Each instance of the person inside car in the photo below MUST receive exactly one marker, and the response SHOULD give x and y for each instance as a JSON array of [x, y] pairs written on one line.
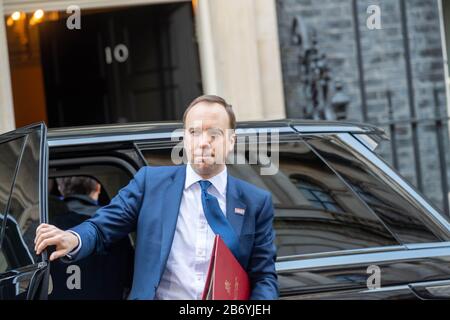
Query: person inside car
[[80, 194], [104, 276]]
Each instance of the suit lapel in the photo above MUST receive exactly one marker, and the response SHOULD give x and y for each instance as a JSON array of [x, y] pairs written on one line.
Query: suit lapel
[[171, 208], [234, 202]]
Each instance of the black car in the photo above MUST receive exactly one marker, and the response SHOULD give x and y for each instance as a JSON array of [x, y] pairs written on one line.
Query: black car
[[347, 225]]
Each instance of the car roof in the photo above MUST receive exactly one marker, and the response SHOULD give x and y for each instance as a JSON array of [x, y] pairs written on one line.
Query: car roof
[[164, 130]]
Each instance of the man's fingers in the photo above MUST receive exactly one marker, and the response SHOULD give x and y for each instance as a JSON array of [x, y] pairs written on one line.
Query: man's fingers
[[48, 235], [45, 235], [47, 242], [58, 254], [39, 240], [41, 229], [42, 226]]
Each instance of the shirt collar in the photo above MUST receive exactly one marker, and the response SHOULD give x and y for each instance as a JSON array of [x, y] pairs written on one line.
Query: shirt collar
[[219, 181]]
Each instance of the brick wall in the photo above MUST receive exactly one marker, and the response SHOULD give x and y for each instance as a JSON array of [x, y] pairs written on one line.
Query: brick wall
[[384, 67]]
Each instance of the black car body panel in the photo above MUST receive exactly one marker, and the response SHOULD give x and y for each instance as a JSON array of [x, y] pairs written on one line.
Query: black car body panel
[[348, 226]]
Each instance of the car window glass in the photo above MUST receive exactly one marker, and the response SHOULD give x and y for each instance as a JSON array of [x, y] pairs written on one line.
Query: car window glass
[[401, 217], [23, 216], [10, 154], [315, 210]]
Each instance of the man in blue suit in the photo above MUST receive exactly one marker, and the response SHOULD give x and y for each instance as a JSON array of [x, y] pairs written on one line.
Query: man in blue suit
[[176, 212]]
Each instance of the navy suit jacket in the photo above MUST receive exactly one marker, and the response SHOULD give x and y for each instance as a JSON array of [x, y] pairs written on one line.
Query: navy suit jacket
[[149, 205]]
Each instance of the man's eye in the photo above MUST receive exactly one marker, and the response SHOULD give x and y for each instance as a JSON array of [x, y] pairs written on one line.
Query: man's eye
[[194, 132], [215, 133]]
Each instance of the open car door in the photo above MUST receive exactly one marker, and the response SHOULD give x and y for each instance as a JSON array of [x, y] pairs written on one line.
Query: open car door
[[23, 206]]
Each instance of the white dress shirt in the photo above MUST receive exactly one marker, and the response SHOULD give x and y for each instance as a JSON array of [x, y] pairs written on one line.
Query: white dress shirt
[[188, 261]]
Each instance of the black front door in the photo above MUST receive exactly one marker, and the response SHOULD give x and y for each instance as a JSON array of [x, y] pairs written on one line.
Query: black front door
[[127, 65]]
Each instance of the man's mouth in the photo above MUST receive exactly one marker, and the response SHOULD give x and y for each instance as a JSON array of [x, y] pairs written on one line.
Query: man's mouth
[[204, 154], [203, 157]]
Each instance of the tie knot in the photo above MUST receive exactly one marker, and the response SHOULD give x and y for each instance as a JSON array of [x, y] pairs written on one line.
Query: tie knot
[[204, 184]]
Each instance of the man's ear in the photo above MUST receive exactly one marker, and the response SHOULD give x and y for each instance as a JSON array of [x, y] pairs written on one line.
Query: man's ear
[[232, 142], [98, 188]]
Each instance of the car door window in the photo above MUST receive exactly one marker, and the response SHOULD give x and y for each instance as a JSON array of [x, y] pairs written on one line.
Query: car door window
[[315, 211], [23, 215], [403, 218], [10, 151]]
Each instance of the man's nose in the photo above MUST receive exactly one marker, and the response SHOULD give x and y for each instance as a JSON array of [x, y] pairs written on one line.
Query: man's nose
[[205, 140]]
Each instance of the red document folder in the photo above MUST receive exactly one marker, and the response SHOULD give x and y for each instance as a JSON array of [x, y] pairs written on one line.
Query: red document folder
[[226, 279]]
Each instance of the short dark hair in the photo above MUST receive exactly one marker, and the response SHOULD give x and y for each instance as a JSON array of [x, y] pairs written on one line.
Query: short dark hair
[[76, 185], [213, 99]]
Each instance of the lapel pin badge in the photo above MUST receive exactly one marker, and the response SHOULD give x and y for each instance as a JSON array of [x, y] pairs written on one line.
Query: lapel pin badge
[[239, 211]]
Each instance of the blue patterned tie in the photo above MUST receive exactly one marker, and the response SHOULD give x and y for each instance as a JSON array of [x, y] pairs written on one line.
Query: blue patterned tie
[[217, 220]]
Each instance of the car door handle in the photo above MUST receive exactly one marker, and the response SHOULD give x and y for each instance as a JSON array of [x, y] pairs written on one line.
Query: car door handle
[[432, 290]]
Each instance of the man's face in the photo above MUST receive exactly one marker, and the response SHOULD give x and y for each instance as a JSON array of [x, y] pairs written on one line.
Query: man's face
[[208, 138]]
